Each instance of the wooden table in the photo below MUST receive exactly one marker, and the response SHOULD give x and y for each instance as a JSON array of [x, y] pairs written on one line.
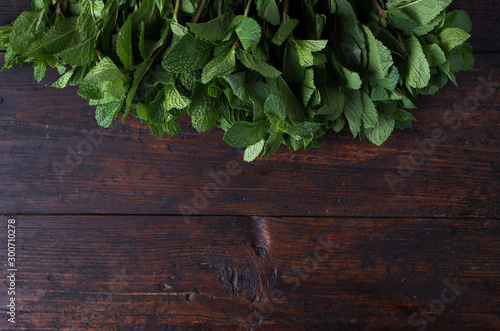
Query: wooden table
[[118, 230]]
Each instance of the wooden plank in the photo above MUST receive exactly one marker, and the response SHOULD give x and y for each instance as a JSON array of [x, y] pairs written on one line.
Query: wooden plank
[[106, 272], [485, 15], [128, 170]]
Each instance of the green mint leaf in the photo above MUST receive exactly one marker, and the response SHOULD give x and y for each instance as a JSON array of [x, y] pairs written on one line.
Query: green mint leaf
[[201, 101], [284, 31], [249, 61], [106, 69], [295, 109], [353, 110], [268, 10], [275, 106], [253, 151], [62, 82], [223, 64], [382, 130], [124, 44], [248, 31], [303, 130], [353, 79], [458, 19], [25, 29], [40, 69], [293, 71], [334, 100], [110, 14], [273, 143], [452, 37], [138, 76], [105, 114], [370, 116], [244, 134], [434, 55], [418, 68], [63, 33], [93, 90], [173, 99], [169, 127], [157, 110], [308, 87], [82, 50], [187, 55], [205, 121], [422, 11], [461, 58], [305, 49], [214, 30], [379, 56]]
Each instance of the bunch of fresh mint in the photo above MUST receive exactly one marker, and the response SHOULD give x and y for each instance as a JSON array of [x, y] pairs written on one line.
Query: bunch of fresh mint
[[268, 72]]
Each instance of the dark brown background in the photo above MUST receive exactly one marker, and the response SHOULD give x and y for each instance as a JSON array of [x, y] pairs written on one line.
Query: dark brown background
[[312, 240]]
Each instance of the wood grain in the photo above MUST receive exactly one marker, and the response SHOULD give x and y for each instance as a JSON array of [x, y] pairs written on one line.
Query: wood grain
[[315, 240], [106, 272]]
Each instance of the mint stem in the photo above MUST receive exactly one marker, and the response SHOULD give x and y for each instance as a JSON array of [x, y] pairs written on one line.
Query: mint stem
[[285, 11], [247, 9], [169, 35], [379, 7], [176, 9], [198, 12], [58, 7]]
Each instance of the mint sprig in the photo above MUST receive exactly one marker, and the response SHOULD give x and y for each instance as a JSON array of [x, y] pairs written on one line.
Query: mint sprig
[[268, 72]]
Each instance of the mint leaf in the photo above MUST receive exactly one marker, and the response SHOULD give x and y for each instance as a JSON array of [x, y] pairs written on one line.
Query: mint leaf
[[334, 100], [293, 71], [458, 19], [124, 44], [370, 116], [174, 99], [434, 55], [268, 10], [253, 151], [169, 127], [106, 69], [461, 58], [353, 109], [452, 37], [25, 29], [248, 31], [244, 134], [205, 121], [252, 63], [284, 31], [40, 70], [422, 11], [105, 114], [380, 58], [222, 65], [81, 50], [214, 30], [382, 130], [187, 55], [418, 68], [306, 48], [275, 106]]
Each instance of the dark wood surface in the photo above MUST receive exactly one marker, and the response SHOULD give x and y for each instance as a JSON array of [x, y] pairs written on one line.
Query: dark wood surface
[[347, 237]]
